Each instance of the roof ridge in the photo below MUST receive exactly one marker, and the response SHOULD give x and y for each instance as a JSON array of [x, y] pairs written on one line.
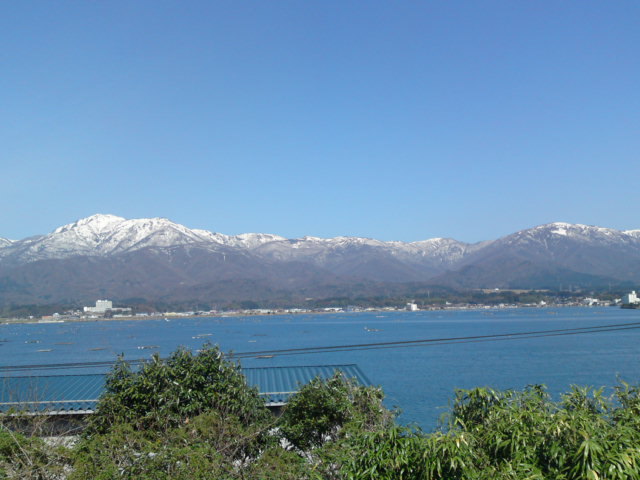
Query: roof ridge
[[301, 366]]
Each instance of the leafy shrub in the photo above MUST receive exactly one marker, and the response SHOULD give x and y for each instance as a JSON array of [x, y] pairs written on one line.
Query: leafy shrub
[[511, 435], [322, 408], [30, 458], [126, 452], [208, 446], [194, 417], [165, 393], [387, 454], [526, 435], [276, 463]]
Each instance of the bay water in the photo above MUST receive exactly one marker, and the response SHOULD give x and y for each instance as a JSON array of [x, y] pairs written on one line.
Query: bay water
[[419, 380]]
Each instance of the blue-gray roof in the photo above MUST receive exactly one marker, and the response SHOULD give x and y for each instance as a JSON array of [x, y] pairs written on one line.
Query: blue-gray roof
[[80, 393], [277, 384], [56, 393]]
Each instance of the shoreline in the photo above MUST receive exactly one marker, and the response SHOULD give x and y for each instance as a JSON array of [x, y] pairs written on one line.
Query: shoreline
[[175, 316]]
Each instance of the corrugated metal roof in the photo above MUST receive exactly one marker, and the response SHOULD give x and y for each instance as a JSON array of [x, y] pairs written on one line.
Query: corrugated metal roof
[[277, 384], [68, 393], [80, 393]]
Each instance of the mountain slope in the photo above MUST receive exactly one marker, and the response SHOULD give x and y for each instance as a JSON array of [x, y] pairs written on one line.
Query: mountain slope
[[109, 256], [552, 255], [109, 235]]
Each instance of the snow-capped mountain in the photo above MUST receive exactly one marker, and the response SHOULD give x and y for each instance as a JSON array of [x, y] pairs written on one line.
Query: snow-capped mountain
[[576, 232], [104, 235], [553, 254], [252, 240], [107, 255], [370, 258], [445, 249]]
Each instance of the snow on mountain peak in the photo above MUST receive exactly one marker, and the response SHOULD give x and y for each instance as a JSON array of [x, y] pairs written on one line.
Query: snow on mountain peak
[[101, 235], [568, 229], [573, 231], [557, 228], [341, 241], [95, 223], [253, 240], [560, 228]]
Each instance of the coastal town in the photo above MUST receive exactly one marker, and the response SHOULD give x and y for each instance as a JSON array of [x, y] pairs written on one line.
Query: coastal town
[[104, 309]]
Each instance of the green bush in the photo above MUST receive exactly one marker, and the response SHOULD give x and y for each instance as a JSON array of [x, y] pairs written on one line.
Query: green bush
[[511, 435], [276, 463], [165, 393], [584, 436], [194, 417], [387, 454], [323, 408], [126, 452], [208, 446], [30, 458]]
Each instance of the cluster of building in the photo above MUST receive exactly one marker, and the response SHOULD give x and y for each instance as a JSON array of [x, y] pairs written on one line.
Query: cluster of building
[[104, 306], [101, 307]]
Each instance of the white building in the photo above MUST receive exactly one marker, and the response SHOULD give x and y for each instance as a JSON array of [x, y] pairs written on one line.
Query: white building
[[412, 307], [101, 307], [630, 298]]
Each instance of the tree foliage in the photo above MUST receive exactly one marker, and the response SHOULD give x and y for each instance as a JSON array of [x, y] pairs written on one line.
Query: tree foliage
[[25, 458], [193, 416], [514, 435], [165, 393], [324, 408], [510, 435]]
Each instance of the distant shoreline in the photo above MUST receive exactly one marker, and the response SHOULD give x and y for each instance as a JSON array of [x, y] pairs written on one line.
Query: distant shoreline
[[7, 321]]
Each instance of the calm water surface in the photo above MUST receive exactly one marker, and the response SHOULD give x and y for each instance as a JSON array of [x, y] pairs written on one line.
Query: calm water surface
[[419, 380]]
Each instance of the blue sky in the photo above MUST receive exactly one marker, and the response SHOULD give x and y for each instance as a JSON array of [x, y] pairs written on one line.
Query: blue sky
[[392, 120]]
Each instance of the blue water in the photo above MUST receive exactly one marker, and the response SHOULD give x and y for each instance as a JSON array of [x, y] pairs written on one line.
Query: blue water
[[419, 380]]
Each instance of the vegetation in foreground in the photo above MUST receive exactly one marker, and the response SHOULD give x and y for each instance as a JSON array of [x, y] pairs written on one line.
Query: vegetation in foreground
[[194, 417]]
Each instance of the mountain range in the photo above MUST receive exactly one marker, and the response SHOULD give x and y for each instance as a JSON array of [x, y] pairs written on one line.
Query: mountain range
[[156, 259]]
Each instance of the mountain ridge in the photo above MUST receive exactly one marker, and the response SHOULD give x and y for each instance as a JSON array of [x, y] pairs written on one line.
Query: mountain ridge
[[107, 255], [104, 234]]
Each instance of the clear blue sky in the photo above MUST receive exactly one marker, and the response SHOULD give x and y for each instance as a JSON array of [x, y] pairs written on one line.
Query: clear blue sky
[[393, 120]]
